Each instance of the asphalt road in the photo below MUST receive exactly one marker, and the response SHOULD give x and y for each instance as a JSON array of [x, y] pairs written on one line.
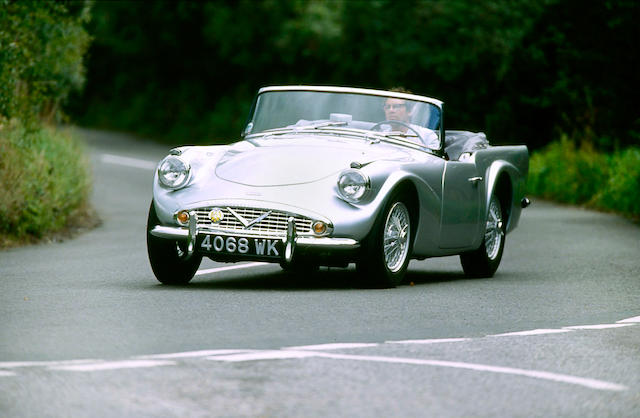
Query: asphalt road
[[87, 331]]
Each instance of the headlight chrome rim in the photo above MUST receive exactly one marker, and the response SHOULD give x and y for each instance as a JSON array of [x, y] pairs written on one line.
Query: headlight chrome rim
[[176, 167], [353, 185]]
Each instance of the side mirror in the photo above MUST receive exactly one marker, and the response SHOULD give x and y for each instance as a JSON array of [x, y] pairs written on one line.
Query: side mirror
[[247, 129]]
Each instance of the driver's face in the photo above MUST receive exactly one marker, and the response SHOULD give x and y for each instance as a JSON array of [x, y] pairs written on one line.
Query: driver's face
[[396, 109]]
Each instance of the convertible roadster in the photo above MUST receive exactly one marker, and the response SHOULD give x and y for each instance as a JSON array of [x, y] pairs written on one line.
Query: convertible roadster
[[327, 176]]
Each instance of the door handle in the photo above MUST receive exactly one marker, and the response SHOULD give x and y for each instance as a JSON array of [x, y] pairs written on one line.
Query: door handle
[[474, 180]]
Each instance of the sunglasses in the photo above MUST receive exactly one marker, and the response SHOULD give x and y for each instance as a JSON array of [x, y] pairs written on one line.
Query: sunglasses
[[394, 106]]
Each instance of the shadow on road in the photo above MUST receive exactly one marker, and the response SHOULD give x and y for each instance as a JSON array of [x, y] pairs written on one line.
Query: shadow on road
[[325, 279]]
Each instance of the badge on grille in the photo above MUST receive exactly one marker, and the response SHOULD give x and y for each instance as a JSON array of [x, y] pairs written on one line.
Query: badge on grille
[[216, 215], [248, 224]]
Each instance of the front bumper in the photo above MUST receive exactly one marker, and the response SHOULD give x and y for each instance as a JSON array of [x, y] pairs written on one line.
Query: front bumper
[[293, 242]]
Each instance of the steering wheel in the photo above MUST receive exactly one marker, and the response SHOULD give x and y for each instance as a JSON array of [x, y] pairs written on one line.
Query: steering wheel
[[378, 125]]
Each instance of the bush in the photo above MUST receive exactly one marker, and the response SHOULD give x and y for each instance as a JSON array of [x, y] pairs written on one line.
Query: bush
[[41, 50], [622, 190], [565, 173], [44, 176], [580, 175], [45, 182]]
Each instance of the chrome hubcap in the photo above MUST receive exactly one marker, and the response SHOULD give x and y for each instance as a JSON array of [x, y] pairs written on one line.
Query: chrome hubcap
[[494, 233], [397, 236]]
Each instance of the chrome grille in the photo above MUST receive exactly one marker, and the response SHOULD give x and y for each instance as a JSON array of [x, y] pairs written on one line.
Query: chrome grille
[[275, 224]]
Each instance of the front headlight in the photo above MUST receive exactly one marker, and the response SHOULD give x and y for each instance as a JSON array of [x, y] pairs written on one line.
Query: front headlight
[[174, 172], [353, 185]]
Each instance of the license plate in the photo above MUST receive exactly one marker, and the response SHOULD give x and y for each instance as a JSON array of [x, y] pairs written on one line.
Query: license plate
[[229, 245]]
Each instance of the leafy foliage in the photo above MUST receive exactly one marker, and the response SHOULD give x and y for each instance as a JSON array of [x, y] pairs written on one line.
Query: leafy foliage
[[44, 175], [621, 191], [565, 173], [41, 49], [524, 71], [45, 181], [579, 175]]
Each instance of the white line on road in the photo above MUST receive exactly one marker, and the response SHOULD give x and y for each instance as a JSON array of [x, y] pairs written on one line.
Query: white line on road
[[333, 346], [6, 374], [590, 383], [432, 341], [532, 332], [635, 320], [601, 326], [291, 354], [192, 354], [265, 355], [128, 161], [236, 267], [114, 365], [15, 364]]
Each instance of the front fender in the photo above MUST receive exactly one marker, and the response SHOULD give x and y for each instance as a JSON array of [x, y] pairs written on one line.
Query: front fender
[[424, 181]]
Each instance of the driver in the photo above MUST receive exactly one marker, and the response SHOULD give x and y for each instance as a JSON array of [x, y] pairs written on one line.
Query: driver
[[401, 110]]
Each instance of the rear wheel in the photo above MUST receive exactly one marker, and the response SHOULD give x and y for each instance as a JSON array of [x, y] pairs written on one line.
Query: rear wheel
[[484, 261], [168, 258], [386, 252]]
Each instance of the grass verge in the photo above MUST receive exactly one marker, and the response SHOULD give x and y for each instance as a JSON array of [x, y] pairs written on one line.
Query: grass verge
[[45, 184]]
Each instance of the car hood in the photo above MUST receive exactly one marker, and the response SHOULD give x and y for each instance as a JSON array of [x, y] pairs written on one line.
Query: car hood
[[283, 164]]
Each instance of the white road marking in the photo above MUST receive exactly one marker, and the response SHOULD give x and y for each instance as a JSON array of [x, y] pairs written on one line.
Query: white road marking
[[192, 354], [319, 350], [128, 161], [334, 346], [236, 267], [265, 355], [601, 326], [290, 354], [590, 383], [635, 320], [113, 365], [16, 364], [532, 332], [432, 341]]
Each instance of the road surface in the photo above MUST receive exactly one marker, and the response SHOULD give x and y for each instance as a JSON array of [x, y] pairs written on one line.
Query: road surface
[[87, 331]]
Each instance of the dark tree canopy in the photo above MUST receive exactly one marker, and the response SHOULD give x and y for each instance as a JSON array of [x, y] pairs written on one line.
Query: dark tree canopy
[[526, 71]]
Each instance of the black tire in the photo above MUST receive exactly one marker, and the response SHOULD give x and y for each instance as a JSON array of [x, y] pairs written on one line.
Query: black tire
[[387, 269], [484, 261], [167, 256]]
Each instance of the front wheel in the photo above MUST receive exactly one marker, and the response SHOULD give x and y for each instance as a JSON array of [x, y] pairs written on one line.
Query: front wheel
[[168, 257], [484, 261], [387, 250]]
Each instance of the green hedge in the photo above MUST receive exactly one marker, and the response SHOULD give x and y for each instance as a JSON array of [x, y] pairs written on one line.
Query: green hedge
[[566, 173], [44, 176], [45, 182]]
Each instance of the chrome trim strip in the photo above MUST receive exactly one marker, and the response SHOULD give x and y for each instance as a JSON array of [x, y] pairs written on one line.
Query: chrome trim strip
[[327, 242], [332, 89], [178, 233], [170, 232]]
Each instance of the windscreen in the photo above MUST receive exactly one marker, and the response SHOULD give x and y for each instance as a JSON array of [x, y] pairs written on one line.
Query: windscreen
[[281, 109]]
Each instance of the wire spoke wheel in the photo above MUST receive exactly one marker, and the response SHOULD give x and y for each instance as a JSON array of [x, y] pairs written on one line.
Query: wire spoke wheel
[[387, 250], [494, 233], [484, 261], [396, 237]]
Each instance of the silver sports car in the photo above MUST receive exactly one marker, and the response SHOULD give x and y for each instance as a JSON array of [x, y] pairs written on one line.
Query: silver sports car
[[326, 176]]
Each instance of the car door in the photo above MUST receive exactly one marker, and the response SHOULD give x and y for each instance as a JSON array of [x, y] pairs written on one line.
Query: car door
[[461, 203]]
